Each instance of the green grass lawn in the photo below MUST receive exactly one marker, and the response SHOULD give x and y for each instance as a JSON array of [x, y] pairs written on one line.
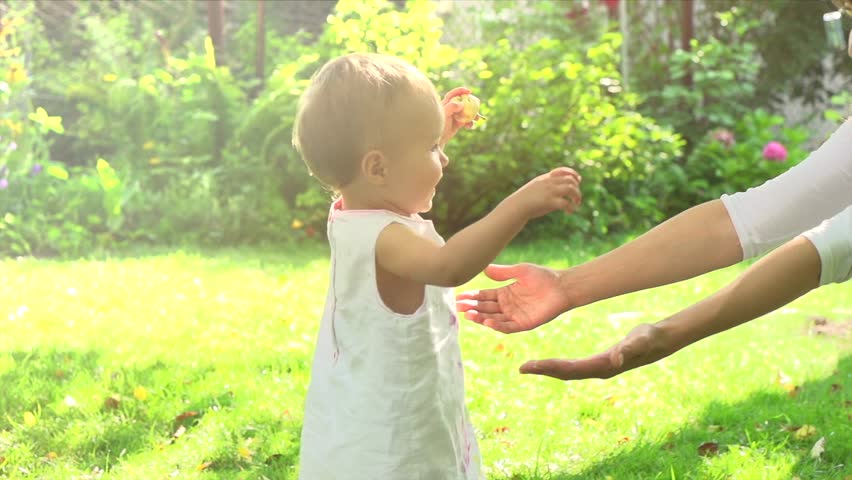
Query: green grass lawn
[[183, 365]]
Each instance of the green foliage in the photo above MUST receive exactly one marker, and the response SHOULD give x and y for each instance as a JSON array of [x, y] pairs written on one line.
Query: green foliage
[[729, 161], [793, 58], [796, 57], [43, 208], [198, 153], [164, 122], [551, 105], [711, 85], [842, 107]]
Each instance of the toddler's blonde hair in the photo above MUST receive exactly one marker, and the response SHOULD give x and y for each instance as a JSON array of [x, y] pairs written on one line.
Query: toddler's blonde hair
[[345, 109]]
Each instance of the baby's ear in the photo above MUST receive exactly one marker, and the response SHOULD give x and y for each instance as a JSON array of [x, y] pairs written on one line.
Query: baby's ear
[[374, 167]]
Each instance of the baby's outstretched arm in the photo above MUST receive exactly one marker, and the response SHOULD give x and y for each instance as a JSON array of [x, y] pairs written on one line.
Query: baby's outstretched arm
[[401, 251]]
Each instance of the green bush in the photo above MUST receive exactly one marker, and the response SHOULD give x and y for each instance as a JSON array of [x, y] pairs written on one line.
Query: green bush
[[728, 161], [554, 105], [195, 153], [38, 202], [723, 72], [169, 129]]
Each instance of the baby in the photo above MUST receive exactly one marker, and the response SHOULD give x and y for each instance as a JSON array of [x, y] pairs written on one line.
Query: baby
[[386, 397]]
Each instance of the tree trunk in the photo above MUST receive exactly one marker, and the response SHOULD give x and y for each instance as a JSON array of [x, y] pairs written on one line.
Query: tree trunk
[[216, 27], [260, 47], [687, 32]]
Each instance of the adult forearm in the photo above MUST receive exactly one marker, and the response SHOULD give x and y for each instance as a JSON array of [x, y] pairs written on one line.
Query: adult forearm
[[694, 242], [775, 280]]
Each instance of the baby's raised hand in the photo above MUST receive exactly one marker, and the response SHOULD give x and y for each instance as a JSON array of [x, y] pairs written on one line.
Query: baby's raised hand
[[454, 115], [558, 189]]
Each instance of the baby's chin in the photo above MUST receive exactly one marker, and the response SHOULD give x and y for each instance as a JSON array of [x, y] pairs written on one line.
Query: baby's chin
[[427, 207]]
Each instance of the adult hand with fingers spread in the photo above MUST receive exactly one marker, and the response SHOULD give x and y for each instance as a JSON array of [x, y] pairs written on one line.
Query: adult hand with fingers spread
[[534, 299]]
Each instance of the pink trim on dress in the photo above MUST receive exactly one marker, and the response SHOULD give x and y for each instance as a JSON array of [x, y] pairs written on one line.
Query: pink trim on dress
[[338, 209]]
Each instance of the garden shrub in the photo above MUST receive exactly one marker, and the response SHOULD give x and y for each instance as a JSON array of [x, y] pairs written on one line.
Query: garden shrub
[[141, 135]]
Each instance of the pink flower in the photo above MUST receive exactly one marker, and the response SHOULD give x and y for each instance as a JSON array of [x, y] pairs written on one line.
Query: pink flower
[[725, 137], [578, 10], [774, 152], [611, 5]]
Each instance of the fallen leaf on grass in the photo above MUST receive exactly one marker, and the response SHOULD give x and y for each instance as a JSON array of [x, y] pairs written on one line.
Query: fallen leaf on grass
[[112, 402], [180, 431], [836, 387], [708, 449], [245, 453], [623, 440], [823, 326], [186, 418], [805, 432], [30, 419], [501, 429], [203, 466], [787, 384], [818, 448]]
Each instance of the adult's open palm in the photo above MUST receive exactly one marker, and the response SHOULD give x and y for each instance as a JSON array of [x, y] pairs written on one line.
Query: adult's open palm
[[645, 344], [534, 299]]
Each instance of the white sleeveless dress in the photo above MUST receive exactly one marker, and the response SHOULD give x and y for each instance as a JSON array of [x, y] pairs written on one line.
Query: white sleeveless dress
[[386, 397]]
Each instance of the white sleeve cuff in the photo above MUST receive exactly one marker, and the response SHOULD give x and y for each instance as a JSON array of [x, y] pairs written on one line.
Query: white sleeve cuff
[[833, 240], [797, 200]]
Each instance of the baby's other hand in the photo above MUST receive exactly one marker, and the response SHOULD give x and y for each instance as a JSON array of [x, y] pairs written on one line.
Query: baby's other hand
[[558, 189]]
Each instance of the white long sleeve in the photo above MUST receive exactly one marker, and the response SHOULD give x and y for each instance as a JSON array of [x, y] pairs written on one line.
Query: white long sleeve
[[833, 240], [797, 200]]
